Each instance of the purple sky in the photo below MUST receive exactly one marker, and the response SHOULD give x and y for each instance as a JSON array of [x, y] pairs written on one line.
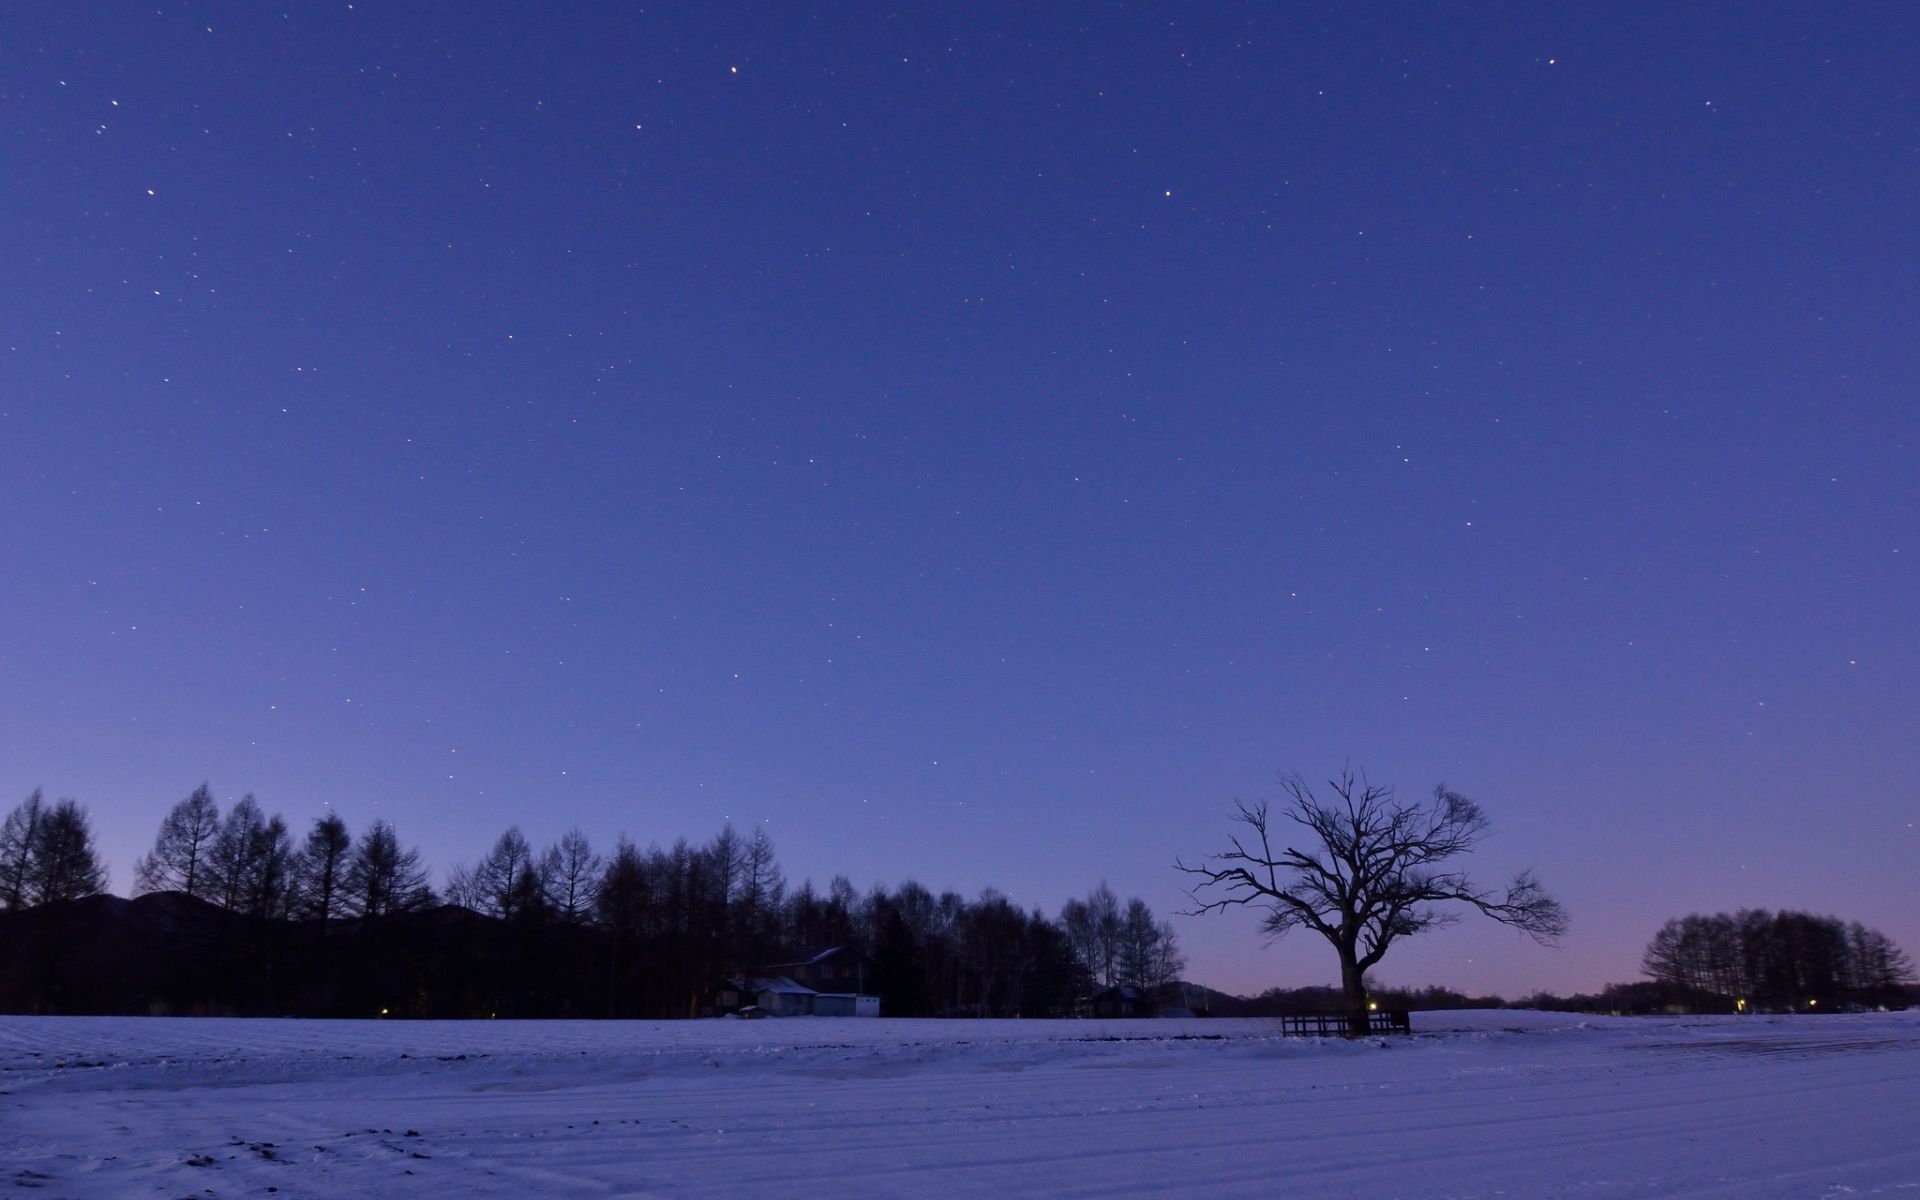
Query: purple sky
[[981, 443]]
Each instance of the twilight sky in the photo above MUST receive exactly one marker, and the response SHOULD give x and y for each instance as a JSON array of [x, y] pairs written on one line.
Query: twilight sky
[[981, 442]]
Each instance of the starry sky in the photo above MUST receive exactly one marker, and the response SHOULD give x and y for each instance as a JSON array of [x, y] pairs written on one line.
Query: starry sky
[[981, 442]]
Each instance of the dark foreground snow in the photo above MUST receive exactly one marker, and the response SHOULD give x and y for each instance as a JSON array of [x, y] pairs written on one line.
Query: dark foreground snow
[[1475, 1105]]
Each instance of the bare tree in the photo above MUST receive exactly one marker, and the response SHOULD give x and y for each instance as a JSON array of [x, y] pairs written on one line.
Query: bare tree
[[248, 861], [383, 877], [1370, 872], [64, 865], [726, 856], [1767, 959], [321, 868], [509, 881], [18, 841], [1881, 969], [761, 892], [1149, 949], [572, 873], [179, 862], [463, 887], [1094, 927]]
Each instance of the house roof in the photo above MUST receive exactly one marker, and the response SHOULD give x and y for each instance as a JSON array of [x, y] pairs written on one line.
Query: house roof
[[816, 959], [779, 985]]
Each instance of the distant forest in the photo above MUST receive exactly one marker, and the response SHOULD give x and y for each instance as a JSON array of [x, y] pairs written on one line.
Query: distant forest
[[1757, 961], [232, 915], [1786, 960]]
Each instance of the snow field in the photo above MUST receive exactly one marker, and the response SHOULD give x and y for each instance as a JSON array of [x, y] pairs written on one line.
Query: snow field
[[1475, 1105]]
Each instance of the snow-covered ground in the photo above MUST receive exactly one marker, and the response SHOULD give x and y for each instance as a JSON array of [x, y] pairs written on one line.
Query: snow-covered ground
[[1475, 1104]]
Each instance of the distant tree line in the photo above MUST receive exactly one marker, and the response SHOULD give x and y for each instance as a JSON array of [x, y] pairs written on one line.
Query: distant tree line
[[1786, 960], [234, 914], [1278, 1002], [1756, 961]]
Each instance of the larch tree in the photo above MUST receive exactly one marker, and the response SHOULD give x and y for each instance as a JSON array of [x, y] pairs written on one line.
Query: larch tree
[[1363, 870], [248, 861], [383, 877], [321, 868], [1881, 968], [624, 899], [1761, 959], [179, 861], [63, 864], [508, 881], [17, 847], [761, 892], [571, 871]]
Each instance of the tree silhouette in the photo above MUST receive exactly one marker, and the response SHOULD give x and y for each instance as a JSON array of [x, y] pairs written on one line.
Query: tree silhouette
[[63, 864], [17, 844], [382, 877], [1093, 926], [1149, 950], [321, 868], [572, 873], [1371, 872], [250, 861], [180, 854], [1774, 960], [507, 882]]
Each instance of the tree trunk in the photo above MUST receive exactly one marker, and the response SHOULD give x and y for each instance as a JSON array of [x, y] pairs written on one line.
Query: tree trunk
[[1353, 983]]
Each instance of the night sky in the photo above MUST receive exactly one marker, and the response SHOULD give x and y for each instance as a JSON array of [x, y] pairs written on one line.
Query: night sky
[[981, 443]]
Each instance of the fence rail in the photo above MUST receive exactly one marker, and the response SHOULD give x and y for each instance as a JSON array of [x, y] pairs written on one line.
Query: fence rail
[[1394, 1020]]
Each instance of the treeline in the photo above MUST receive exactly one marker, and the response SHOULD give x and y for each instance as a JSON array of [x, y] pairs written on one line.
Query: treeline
[[234, 914], [1279, 1002], [1784, 960]]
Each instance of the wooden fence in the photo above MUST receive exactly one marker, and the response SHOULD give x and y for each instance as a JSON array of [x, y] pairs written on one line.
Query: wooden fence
[[1393, 1020]]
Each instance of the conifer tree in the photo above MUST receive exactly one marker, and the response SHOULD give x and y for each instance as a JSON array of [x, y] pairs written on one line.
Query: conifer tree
[[179, 861], [17, 849], [63, 864]]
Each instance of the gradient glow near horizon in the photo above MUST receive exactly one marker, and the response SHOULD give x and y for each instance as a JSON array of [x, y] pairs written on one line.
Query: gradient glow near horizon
[[981, 444]]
